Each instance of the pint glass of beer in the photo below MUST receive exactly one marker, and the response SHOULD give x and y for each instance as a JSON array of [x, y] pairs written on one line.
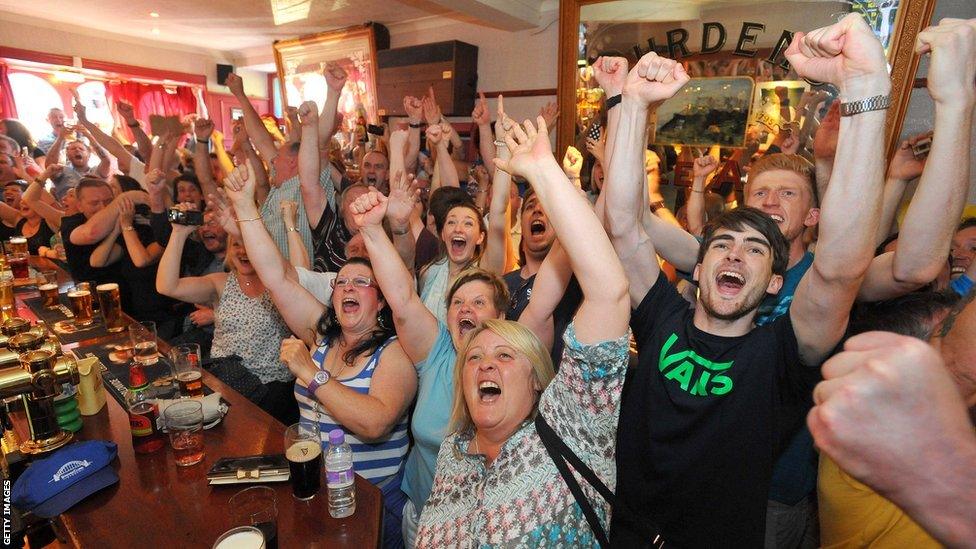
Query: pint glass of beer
[[19, 265], [257, 507], [8, 308], [17, 245], [186, 363], [303, 448], [108, 298], [50, 294], [81, 306]]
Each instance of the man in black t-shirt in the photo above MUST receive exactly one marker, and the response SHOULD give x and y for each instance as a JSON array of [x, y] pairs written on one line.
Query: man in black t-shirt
[[93, 195], [714, 398]]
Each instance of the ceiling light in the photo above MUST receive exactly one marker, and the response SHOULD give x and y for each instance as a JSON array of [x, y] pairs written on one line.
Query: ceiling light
[[153, 14], [69, 76], [155, 30], [286, 11]]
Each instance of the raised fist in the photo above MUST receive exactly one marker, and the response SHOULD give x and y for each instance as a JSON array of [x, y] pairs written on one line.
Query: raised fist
[[126, 111], [369, 209], [703, 166], [335, 77], [654, 79], [952, 69], [414, 109], [308, 112], [203, 128], [610, 74], [846, 54], [235, 84]]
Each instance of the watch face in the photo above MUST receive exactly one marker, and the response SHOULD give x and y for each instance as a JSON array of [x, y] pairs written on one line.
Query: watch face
[[321, 377]]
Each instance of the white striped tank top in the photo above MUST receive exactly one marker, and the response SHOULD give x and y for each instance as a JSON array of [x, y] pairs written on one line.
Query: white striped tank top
[[374, 461]]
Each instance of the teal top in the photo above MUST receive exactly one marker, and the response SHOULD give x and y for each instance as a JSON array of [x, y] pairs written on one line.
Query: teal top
[[435, 394]]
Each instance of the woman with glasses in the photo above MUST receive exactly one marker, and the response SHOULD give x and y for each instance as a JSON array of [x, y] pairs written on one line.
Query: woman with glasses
[[357, 377]]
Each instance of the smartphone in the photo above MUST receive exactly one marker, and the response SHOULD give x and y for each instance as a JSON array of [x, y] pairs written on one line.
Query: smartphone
[[374, 129], [188, 217]]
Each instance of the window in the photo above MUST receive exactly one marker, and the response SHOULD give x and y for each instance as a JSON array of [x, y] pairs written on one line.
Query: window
[[34, 97]]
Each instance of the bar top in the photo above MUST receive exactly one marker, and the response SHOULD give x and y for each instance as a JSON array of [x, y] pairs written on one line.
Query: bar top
[[158, 504]]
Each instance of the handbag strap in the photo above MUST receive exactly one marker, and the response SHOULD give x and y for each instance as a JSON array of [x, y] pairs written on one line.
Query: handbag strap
[[560, 453]]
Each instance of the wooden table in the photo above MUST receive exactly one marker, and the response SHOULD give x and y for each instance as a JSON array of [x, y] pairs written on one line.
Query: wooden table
[[158, 504]]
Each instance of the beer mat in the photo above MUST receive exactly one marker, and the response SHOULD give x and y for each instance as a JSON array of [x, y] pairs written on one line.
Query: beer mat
[[115, 354], [61, 321]]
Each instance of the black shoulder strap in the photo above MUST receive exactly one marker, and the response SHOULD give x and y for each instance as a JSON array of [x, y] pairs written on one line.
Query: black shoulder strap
[[560, 453]]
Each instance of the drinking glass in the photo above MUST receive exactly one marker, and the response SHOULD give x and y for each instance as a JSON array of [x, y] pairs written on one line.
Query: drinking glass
[[186, 369], [8, 308], [242, 537], [111, 306], [19, 265], [257, 506], [303, 449], [80, 298], [143, 338], [184, 421]]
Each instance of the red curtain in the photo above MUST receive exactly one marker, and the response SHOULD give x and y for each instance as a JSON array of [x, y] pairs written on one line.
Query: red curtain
[[7, 107], [149, 99]]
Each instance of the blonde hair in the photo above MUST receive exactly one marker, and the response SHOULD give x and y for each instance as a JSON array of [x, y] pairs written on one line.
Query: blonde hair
[[523, 341], [789, 162]]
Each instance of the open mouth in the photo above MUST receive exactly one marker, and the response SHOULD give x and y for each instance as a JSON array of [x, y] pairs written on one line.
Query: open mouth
[[488, 392], [730, 282], [465, 325], [537, 227], [458, 244], [777, 218], [350, 305], [957, 270]]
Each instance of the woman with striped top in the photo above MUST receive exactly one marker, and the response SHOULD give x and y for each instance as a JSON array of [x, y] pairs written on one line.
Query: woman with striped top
[[362, 382]]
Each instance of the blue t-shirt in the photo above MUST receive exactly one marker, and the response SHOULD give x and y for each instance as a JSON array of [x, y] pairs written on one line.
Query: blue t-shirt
[[435, 394], [775, 306]]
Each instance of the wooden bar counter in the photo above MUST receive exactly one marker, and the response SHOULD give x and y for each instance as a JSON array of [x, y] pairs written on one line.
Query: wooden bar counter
[[158, 504]]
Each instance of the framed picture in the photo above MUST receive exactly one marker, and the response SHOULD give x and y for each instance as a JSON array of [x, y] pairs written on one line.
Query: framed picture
[[300, 63], [706, 112]]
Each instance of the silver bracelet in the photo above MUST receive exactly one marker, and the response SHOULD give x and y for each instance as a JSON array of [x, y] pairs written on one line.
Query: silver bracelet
[[500, 143]]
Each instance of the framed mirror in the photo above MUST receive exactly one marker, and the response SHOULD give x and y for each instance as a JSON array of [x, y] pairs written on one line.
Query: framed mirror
[[722, 45], [300, 63]]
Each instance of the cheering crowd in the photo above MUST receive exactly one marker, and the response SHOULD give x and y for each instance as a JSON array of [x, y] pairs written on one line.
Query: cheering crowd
[[804, 364]]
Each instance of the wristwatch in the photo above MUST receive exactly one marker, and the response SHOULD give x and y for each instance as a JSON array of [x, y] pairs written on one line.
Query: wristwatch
[[876, 103], [657, 205], [320, 378]]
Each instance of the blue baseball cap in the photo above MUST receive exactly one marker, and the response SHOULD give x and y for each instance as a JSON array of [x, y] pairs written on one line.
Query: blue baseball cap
[[54, 484]]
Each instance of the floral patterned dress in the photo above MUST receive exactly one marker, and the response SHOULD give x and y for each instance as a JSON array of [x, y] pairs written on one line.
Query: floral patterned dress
[[520, 500]]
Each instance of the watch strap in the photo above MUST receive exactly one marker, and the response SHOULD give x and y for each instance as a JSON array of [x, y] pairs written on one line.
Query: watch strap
[[614, 101], [314, 384], [876, 103], [657, 205]]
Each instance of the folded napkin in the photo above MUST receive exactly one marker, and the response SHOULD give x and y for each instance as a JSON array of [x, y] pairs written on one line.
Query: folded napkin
[[214, 409]]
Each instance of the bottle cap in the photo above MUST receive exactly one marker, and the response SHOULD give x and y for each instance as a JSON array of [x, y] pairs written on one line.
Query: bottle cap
[[337, 437]]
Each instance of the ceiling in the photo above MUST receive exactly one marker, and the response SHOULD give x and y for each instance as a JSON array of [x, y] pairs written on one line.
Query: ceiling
[[224, 25]]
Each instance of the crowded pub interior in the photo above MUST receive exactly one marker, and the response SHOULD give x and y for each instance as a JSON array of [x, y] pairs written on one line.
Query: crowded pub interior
[[268, 273]]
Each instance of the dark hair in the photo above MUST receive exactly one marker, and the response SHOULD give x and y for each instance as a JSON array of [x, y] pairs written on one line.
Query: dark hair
[[19, 183], [442, 200], [741, 218], [500, 295], [966, 223], [17, 131], [328, 324], [189, 178], [916, 314], [128, 183]]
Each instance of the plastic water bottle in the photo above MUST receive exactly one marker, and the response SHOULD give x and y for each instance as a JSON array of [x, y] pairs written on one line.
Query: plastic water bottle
[[340, 476]]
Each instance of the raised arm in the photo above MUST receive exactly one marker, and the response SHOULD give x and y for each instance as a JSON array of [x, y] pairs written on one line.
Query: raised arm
[[928, 226], [203, 129], [141, 254], [702, 170], [486, 141], [297, 254], [499, 237], [299, 309], [9, 215], [415, 118], [437, 135], [415, 325], [652, 80], [259, 135], [41, 201], [903, 168], [848, 55], [548, 290], [192, 289], [335, 79], [104, 169], [605, 311], [309, 166], [402, 214], [108, 143], [100, 224], [143, 143], [54, 153]]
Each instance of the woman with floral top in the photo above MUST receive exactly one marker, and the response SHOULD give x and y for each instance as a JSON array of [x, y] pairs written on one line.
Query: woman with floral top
[[495, 483]]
